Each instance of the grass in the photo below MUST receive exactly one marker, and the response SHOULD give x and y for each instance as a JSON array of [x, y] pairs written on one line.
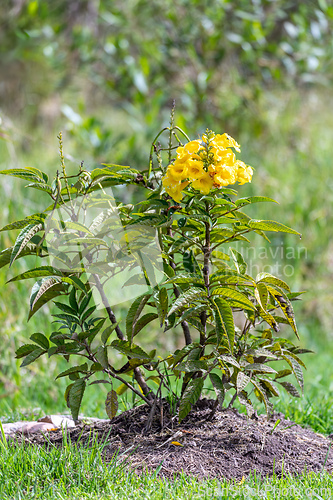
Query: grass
[[31, 472]]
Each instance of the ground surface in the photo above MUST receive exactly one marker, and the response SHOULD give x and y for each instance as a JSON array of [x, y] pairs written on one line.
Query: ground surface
[[230, 445]]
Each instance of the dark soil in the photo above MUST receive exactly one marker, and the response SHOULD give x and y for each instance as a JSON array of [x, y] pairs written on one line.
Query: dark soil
[[229, 446]]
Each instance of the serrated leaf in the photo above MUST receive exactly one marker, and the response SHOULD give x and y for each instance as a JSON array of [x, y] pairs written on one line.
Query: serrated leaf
[[234, 295], [111, 404], [40, 288], [129, 349], [263, 395], [65, 308], [260, 367], [289, 387], [75, 281], [253, 199], [218, 387], [190, 397], [296, 368], [102, 356], [23, 239], [271, 225], [191, 366], [242, 381], [224, 322], [187, 298], [24, 350], [161, 301], [286, 307], [134, 313], [74, 369], [143, 321], [261, 295], [230, 360], [269, 319], [246, 401], [32, 356], [269, 278], [27, 173], [19, 224], [75, 396], [282, 373], [40, 339], [51, 290], [107, 332], [239, 261]]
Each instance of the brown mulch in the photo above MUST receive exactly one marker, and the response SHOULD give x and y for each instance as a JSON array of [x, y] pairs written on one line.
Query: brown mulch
[[229, 446]]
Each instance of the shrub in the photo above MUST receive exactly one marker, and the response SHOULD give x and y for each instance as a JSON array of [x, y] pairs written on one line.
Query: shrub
[[187, 279]]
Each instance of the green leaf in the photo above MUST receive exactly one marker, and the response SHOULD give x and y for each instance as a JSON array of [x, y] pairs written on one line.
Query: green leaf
[[129, 349], [74, 369], [161, 301], [111, 404], [272, 280], [190, 397], [102, 356], [246, 401], [268, 318], [23, 238], [296, 368], [282, 373], [6, 254], [289, 387], [263, 396], [261, 295], [19, 224], [186, 278], [32, 356], [286, 307], [242, 381], [143, 321], [224, 322], [42, 292], [192, 366], [253, 199], [259, 367], [239, 261], [24, 350], [271, 225], [107, 332], [40, 339], [38, 272], [75, 397], [28, 173], [134, 313], [234, 295], [85, 301], [218, 387], [65, 308], [40, 186], [187, 298], [75, 281]]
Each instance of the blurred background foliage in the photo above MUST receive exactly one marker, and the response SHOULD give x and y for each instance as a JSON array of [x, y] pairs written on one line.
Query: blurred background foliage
[[106, 74]]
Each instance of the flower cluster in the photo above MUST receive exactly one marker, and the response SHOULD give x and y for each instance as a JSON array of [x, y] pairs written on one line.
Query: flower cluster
[[205, 164]]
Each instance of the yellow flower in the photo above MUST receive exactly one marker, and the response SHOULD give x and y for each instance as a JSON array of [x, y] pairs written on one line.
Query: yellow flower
[[174, 189], [244, 173], [192, 147], [226, 141], [225, 175], [203, 184], [224, 157], [177, 171], [195, 169]]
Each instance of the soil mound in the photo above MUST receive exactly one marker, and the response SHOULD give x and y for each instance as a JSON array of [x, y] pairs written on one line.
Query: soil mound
[[230, 445]]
